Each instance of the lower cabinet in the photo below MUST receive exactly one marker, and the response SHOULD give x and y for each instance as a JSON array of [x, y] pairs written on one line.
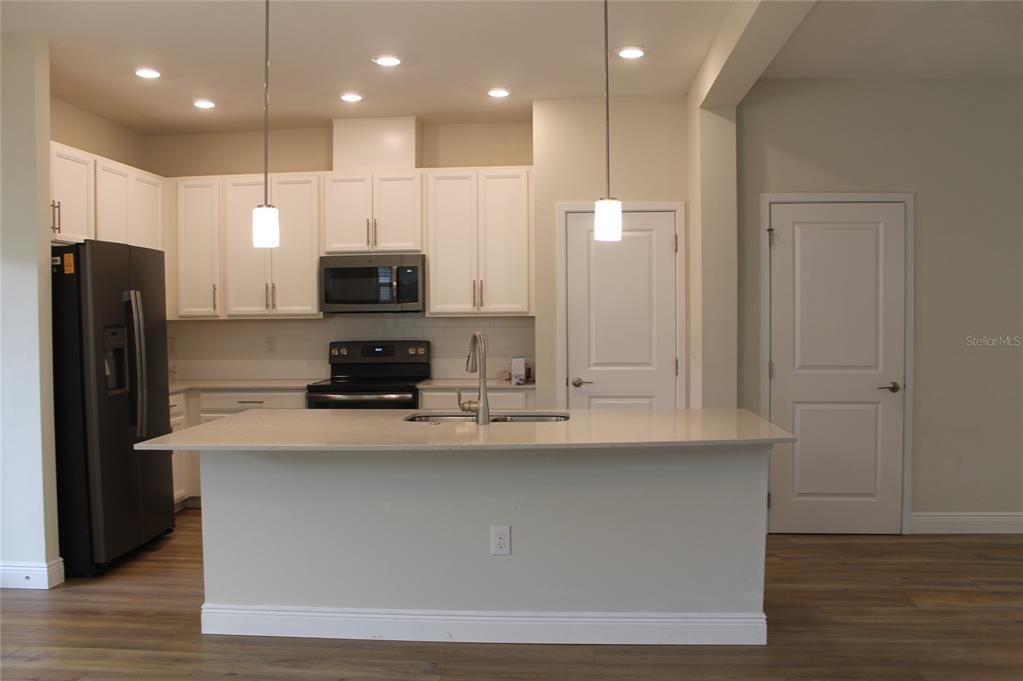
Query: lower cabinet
[[499, 399], [185, 465]]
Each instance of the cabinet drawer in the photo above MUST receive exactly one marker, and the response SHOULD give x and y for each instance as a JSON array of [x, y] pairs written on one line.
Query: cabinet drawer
[[238, 401], [447, 399]]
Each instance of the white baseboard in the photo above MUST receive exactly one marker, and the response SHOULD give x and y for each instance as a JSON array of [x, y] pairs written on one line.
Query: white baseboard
[[32, 575], [468, 626], [967, 523]]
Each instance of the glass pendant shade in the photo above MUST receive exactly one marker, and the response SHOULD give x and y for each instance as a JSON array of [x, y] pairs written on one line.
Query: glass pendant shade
[[607, 220], [266, 227]]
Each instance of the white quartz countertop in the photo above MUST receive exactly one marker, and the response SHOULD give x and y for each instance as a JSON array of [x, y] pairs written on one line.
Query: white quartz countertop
[[470, 383], [330, 430], [241, 384]]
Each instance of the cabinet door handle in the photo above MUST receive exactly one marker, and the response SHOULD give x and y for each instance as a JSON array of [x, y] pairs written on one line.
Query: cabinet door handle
[[266, 296], [481, 294], [53, 216], [273, 296], [214, 297], [474, 293], [60, 218], [369, 239], [250, 401], [374, 232]]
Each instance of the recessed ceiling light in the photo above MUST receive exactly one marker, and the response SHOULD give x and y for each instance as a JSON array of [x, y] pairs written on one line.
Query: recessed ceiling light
[[498, 92], [386, 60], [351, 97], [147, 73], [631, 52], [203, 104]]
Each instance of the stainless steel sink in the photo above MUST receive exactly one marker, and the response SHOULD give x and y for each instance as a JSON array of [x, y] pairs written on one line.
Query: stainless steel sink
[[508, 417]]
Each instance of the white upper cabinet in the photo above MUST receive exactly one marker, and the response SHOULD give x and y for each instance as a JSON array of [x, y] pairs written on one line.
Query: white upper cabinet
[[128, 205], [347, 213], [504, 241], [112, 182], [72, 194], [247, 269], [382, 212], [478, 242], [398, 212], [293, 284], [272, 281], [145, 210], [198, 248], [451, 226]]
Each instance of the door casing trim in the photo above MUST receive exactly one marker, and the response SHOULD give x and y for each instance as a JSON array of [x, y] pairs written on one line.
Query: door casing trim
[[682, 387], [906, 199]]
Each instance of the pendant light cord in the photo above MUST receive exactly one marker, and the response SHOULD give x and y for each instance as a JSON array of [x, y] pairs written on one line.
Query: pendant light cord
[[266, 108], [607, 108]]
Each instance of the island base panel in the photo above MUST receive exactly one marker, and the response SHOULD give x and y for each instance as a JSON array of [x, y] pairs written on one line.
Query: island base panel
[[608, 546]]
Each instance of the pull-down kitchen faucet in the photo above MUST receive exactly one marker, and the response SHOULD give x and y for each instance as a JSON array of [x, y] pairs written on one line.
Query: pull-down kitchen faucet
[[476, 362]]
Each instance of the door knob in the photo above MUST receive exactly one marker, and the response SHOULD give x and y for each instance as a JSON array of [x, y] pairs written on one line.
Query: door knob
[[578, 382], [892, 387]]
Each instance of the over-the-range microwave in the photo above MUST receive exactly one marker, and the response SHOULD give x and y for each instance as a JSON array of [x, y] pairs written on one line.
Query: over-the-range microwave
[[372, 283]]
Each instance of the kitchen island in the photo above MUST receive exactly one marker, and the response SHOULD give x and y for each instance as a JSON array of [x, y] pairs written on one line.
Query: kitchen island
[[625, 526]]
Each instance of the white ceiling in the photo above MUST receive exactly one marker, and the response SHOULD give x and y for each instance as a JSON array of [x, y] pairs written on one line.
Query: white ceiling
[[905, 40], [453, 52]]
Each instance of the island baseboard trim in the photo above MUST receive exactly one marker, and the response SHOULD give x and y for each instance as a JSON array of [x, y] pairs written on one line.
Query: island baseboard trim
[[983, 522], [463, 626]]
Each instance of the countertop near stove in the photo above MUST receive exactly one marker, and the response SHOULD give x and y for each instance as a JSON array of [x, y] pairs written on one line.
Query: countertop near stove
[[330, 430], [241, 384], [470, 383]]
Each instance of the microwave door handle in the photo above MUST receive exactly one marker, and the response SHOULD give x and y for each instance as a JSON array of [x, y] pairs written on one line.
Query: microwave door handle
[[394, 284]]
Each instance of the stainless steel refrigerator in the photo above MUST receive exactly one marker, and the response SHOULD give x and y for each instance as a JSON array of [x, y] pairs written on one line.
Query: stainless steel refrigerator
[[110, 391]]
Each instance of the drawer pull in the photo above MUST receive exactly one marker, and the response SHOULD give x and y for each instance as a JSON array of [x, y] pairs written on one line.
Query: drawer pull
[[173, 406], [250, 401]]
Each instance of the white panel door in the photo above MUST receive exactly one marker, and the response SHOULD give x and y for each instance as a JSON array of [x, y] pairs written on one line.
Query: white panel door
[[347, 213], [621, 314], [452, 242], [198, 248], [247, 269], [72, 178], [837, 341], [504, 241], [145, 211], [112, 182], [294, 263], [398, 212]]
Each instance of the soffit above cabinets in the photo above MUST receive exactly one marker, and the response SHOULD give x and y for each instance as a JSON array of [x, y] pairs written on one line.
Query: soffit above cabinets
[[452, 53]]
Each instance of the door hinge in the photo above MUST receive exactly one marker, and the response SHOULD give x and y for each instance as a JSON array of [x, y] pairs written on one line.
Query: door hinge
[[676, 243], [676, 366], [770, 237], [769, 500], [770, 368]]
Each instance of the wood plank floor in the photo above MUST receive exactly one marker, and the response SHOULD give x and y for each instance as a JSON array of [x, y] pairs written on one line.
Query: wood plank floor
[[839, 608]]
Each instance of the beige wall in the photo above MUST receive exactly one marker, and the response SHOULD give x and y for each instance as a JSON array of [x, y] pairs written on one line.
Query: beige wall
[[227, 153], [85, 130], [648, 157], [958, 146], [448, 145]]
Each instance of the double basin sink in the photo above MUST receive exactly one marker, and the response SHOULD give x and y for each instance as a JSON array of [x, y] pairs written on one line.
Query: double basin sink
[[505, 417]]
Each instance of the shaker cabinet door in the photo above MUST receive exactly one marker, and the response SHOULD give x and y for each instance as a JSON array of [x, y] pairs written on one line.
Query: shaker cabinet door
[[451, 242], [397, 212], [72, 191], [294, 263], [247, 269], [347, 213], [504, 242], [198, 248]]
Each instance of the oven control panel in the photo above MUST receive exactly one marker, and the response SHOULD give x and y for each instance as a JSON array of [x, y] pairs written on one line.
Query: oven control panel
[[380, 352]]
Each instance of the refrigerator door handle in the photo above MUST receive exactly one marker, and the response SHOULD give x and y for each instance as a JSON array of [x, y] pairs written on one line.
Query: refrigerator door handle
[[144, 387], [140, 393]]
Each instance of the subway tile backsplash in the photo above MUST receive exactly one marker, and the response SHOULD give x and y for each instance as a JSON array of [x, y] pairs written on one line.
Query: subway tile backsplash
[[297, 348]]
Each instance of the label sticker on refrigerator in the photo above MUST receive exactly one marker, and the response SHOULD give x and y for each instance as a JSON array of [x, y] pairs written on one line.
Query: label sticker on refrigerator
[[69, 263]]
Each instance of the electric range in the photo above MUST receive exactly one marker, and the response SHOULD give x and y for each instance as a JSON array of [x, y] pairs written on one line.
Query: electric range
[[372, 375]]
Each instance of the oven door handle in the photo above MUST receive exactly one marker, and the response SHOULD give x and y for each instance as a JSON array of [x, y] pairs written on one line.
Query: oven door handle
[[367, 397]]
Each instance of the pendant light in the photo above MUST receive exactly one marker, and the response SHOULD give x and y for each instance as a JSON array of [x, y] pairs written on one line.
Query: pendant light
[[266, 220], [607, 212]]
